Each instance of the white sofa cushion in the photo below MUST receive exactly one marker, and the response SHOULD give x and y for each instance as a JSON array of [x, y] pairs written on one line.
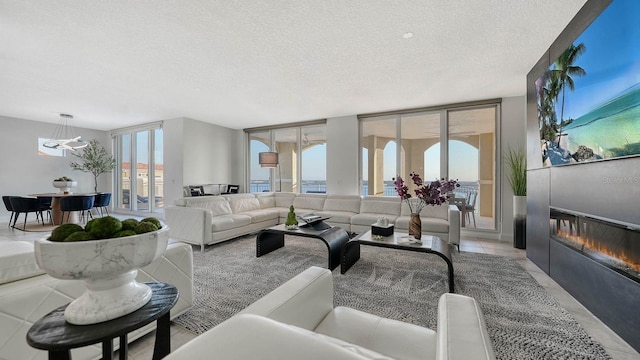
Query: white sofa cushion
[[397, 339], [346, 203], [17, 261], [261, 215], [310, 202], [380, 205], [242, 204], [217, 205], [267, 200], [250, 336], [226, 222], [428, 224], [284, 199], [432, 211]]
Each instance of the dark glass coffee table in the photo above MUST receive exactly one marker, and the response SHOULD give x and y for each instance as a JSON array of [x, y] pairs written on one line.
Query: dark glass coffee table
[[54, 334], [430, 244], [334, 238]]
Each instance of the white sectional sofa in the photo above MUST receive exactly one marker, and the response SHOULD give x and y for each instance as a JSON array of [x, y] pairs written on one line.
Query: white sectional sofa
[[205, 220], [298, 320], [27, 294]]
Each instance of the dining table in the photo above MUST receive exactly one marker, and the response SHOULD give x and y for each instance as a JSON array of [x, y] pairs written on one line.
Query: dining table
[[56, 211]]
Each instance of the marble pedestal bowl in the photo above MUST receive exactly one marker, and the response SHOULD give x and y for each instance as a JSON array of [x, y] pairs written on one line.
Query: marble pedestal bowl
[[108, 267], [64, 187]]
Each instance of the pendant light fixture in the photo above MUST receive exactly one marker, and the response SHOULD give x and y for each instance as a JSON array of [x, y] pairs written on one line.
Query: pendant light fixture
[[64, 136]]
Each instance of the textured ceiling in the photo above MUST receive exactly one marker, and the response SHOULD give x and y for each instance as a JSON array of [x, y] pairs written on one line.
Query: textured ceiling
[[252, 63]]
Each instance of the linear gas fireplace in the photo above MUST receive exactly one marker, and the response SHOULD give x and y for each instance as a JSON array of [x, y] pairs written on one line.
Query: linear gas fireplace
[[612, 243]]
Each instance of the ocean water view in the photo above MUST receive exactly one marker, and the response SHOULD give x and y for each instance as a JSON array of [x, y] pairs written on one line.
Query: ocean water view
[[610, 130], [320, 186]]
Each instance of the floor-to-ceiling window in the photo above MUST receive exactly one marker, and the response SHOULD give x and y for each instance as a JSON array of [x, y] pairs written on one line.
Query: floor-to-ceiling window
[[139, 176], [472, 154], [301, 153], [260, 178], [453, 143], [378, 139], [314, 159]]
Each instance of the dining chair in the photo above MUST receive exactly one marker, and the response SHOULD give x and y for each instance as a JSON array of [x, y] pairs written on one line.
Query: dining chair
[[24, 205], [45, 205], [82, 203], [7, 204], [101, 203], [231, 189], [470, 206]]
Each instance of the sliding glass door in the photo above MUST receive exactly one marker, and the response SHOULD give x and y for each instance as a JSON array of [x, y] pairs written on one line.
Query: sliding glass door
[[302, 159], [456, 143], [139, 175]]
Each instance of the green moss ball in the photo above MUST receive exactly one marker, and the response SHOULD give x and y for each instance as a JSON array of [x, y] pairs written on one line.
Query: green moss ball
[[124, 233], [105, 227], [129, 224], [89, 224], [61, 232], [79, 236], [145, 227], [153, 220]]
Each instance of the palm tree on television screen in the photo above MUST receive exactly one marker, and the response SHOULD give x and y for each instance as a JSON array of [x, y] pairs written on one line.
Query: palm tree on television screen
[[562, 77]]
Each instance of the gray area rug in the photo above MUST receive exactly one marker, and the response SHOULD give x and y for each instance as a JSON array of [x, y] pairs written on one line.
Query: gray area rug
[[523, 320]]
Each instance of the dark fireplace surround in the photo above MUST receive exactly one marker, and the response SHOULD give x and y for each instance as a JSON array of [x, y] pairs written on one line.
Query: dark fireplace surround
[[596, 261]]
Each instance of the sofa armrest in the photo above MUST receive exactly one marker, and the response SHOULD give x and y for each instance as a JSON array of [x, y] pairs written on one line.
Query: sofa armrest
[[188, 224], [454, 225], [302, 301], [250, 336], [462, 332]]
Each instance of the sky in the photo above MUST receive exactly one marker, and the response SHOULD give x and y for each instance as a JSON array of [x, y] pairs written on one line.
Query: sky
[[463, 159], [611, 59], [314, 163]]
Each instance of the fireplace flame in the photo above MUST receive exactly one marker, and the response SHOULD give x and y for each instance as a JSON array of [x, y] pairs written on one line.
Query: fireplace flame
[[599, 247]]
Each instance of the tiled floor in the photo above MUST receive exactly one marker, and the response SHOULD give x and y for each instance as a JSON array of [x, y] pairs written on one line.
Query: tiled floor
[[614, 345]]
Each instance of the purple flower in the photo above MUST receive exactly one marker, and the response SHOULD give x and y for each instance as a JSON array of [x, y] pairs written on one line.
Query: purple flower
[[433, 193]]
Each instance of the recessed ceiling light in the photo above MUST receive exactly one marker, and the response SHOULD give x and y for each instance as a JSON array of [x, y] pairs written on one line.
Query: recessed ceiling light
[[407, 35]]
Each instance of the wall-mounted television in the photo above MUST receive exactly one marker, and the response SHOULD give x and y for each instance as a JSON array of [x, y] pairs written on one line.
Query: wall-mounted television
[[589, 98]]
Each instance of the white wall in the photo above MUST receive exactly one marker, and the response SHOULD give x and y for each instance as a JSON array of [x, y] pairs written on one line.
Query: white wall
[[342, 156], [208, 153], [512, 134], [24, 172], [173, 136], [196, 152]]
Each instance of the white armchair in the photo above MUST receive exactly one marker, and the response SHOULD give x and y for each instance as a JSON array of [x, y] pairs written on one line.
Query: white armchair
[[298, 321]]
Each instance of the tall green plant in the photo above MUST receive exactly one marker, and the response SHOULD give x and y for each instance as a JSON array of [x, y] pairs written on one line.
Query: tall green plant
[[94, 159], [517, 162]]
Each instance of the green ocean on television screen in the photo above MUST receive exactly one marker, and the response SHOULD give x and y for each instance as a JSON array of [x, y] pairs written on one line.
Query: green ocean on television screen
[[589, 98]]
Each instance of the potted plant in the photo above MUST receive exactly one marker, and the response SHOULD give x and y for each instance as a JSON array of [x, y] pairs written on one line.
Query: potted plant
[[517, 162], [94, 159], [427, 193], [106, 254]]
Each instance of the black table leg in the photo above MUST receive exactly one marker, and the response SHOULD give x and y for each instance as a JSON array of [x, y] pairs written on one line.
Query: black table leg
[[350, 255], [162, 346], [335, 239], [124, 347], [107, 349], [60, 355], [267, 241]]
